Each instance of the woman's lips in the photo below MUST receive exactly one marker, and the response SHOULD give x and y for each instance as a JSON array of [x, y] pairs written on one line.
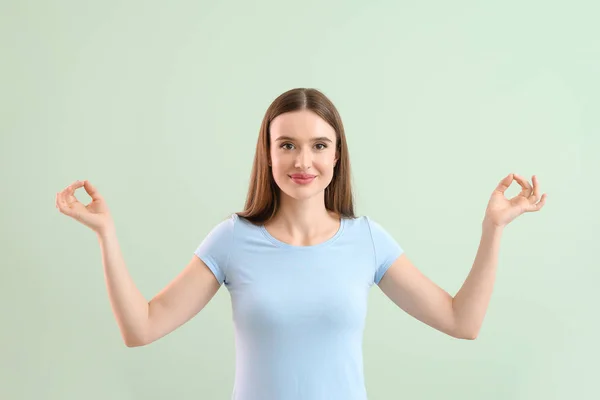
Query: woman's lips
[[302, 179]]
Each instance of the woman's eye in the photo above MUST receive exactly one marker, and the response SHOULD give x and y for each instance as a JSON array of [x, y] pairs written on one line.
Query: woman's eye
[[290, 146]]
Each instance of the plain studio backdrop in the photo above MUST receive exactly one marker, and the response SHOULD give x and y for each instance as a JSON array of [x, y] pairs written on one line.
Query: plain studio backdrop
[[159, 104]]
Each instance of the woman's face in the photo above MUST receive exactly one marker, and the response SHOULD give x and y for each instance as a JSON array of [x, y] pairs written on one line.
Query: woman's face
[[303, 153]]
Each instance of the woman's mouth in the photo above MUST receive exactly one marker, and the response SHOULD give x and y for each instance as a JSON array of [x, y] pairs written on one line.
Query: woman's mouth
[[302, 179]]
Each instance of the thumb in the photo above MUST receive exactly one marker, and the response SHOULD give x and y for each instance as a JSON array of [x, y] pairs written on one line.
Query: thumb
[[91, 190], [505, 183]]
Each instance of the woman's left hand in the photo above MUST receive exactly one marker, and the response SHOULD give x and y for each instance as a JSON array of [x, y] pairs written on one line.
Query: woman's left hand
[[501, 211]]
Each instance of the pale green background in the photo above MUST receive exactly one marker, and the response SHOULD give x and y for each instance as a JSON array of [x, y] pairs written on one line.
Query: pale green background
[[159, 106]]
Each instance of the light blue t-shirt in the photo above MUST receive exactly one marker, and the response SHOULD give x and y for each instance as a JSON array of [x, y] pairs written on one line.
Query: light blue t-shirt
[[298, 311]]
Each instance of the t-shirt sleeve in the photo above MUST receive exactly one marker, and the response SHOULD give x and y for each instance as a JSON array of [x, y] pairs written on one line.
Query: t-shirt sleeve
[[386, 249], [214, 250]]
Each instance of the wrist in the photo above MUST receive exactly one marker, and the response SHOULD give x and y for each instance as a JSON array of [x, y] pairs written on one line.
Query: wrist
[[106, 231], [489, 225]]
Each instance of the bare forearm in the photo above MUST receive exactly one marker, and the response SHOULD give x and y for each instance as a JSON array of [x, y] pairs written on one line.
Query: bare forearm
[[128, 304], [471, 302]]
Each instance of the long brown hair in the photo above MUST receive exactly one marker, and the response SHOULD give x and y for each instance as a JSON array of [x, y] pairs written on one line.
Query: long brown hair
[[262, 201]]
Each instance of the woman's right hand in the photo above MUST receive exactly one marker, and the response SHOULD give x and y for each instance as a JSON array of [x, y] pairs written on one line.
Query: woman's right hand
[[95, 215]]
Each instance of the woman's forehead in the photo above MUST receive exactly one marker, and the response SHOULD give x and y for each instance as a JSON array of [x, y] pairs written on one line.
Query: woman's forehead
[[301, 125]]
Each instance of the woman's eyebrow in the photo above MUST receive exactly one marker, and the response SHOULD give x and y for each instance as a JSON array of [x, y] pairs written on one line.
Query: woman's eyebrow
[[321, 138]]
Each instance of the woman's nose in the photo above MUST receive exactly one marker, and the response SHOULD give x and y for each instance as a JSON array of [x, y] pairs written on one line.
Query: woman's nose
[[303, 160]]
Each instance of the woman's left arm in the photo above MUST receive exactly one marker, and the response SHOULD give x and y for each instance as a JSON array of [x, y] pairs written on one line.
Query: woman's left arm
[[462, 316], [471, 302]]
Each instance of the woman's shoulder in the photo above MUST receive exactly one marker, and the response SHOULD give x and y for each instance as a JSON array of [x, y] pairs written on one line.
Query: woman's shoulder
[[366, 223]]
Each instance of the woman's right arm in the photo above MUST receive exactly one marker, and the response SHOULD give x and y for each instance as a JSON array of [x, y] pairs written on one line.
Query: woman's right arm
[[142, 322]]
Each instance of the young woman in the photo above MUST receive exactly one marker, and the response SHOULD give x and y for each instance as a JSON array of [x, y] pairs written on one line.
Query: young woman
[[298, 264]]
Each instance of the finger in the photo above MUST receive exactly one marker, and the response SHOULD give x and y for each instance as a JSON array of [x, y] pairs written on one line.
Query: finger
[[70, 192], [73, 187], [62, 204], [536, 190], [64, 192], [538, 206], [91, 190], [61, 197], [527, 189], [66, 198], [504, 183]]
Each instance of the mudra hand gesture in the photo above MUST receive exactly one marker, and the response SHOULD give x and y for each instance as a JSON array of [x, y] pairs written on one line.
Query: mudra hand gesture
[[501, 211], [95, 215]]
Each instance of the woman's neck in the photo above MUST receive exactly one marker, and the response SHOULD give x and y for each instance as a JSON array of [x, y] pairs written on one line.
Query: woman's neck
[[302, 222]]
